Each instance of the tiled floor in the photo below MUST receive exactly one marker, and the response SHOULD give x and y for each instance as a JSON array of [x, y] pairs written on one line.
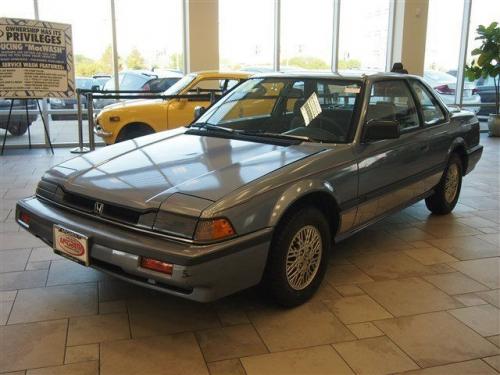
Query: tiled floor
[[415, 293]]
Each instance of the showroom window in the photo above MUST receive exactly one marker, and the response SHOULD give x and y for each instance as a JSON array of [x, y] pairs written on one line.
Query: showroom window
[[364, 27], [18, 9], [306, 35], [442, 46], [153, 41], [481, 90], [246, 30]]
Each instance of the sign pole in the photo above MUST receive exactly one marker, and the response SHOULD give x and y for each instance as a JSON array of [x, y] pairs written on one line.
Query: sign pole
[[45, 127]]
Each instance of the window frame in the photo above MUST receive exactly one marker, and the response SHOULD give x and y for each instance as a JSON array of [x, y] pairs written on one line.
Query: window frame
[[434, 99], [412, 95]]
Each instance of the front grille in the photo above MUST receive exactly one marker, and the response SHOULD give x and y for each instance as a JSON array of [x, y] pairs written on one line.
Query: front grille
[[109, 211]]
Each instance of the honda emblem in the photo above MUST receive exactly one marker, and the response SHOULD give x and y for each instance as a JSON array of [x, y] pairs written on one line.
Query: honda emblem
[[98, 208]]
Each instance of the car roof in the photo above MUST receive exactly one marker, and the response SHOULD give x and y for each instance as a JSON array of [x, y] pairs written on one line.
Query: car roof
[[347, 74]]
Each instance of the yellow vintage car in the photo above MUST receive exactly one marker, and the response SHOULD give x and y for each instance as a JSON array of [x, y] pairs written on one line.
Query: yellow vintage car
[[134, 118]]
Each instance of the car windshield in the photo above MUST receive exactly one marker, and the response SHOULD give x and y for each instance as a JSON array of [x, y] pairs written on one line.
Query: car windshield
[[84, 83], [177, 87], [320, 110]]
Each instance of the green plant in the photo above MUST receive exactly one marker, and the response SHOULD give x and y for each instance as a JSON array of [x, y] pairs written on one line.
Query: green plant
[[488, 60]]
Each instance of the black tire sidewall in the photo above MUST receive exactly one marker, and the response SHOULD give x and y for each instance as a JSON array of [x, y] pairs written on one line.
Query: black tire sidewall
[[282, 292]]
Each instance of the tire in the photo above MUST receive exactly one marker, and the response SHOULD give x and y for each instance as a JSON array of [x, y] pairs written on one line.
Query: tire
[[288, 285], [447, 192], [134, 131], [18, 128]]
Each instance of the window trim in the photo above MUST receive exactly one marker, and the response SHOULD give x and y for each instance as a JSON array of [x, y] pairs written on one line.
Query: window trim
[[434, 100]]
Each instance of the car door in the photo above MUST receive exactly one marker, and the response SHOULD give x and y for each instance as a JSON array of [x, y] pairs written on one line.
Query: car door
[[435, 122], [388, 169], [181, 111]]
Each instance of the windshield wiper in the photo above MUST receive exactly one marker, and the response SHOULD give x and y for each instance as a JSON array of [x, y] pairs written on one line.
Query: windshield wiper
[[204, 125], [262, 133]]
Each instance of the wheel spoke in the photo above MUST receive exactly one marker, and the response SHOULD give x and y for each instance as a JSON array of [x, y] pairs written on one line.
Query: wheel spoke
[[303, 257]]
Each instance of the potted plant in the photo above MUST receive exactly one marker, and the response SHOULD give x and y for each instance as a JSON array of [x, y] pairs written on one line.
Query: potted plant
[[488, 65]]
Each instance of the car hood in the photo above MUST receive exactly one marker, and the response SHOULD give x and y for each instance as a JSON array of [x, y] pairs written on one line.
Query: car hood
[[143, 172], [133, 103]]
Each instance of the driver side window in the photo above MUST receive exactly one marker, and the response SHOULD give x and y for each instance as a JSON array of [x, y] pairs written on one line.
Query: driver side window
[[392, 100]]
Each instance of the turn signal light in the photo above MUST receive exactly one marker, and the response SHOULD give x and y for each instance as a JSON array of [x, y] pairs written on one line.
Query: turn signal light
[[213, 229], [157, 265], [114, 118]]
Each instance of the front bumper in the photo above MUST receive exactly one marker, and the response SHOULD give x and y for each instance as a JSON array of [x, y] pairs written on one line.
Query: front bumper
[[201, 272], [99, 131]]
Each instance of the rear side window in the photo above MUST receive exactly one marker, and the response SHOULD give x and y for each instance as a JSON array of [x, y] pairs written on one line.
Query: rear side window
[[392, 100], [431, 111]]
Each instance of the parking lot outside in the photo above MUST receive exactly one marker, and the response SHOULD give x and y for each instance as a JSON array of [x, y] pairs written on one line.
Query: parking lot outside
[[415, 292]]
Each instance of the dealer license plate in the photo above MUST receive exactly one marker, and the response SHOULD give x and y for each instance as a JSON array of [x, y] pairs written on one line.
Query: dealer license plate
[[71, 245]]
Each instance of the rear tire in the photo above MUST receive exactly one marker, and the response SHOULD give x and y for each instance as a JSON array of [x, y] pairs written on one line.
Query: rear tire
[[298, 257], [447, 192], [133, 131], [18, 128]]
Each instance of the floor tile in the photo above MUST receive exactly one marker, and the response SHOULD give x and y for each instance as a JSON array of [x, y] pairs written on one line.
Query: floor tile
[[455, 283], [493, 362], [83, 368], [346, 274], [357, 309], [54, 303], [364, 330], [5, 308], [112, 290], [41, 265], [316, 360], [495, 340], [230, 342], [376, 355], [81, 353], [112, 307], [32, 345], [227, 367], [484, 319], [13, 260], [349, 290], [492, 297], [409, 296], [19, 240], [68, 272], [430, 255], [389, 265], [39, 254], [22, 279], [474, 367], [168, 315], [448, 230], [313, 324], [486, 271], [436, 338], [466, 248], [470, 299], [183, 356], [98, 328]]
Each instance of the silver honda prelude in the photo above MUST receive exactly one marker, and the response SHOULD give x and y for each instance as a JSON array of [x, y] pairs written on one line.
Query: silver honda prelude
[[260, 187]]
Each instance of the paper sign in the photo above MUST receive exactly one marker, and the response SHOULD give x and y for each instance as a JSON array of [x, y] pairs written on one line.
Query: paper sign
[[36, 59], [310, 109]]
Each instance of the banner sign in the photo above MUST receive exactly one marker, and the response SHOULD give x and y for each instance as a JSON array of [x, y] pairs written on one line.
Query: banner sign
[[36, 59]]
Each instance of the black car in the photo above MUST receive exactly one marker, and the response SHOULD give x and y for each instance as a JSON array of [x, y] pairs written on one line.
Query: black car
[[486, 90], [18, 124]]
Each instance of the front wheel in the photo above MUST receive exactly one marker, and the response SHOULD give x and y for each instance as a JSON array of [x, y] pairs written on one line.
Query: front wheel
[[298, 257], [446, 193]]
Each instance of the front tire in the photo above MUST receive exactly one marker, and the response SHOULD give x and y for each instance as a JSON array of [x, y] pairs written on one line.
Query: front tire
[[133, 131], [298, 257], [446, 193]]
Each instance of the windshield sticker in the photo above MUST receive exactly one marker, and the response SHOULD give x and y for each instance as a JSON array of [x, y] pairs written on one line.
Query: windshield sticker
[[352, 89], [311, 109]]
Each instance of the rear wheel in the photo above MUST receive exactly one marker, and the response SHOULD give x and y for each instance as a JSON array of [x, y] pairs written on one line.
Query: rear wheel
[[446, 193], [298, 257], [18, 128], [133, 131]]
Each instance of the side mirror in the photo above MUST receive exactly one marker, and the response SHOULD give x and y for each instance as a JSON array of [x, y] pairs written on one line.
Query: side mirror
[[95, 88], [198, 111], [375, 130]]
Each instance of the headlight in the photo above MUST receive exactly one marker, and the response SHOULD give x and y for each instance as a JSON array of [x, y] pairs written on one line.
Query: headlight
[[213, 229]]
